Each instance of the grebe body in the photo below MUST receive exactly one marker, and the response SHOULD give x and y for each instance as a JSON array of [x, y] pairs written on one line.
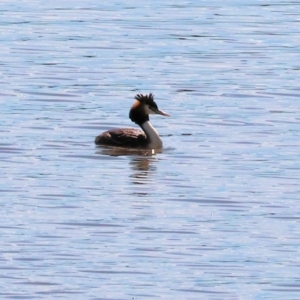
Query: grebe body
[[147, 138]]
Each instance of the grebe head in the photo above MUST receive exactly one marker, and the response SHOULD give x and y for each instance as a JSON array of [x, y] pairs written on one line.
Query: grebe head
[[143, 106]]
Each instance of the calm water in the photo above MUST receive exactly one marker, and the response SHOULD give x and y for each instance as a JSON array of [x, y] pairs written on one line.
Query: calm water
[[216, 215]]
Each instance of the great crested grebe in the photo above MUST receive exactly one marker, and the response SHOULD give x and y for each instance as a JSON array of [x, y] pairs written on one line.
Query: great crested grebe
[[143, 106]]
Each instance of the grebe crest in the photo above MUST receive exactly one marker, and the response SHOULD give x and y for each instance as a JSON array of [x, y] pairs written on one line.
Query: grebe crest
[[143, 106]]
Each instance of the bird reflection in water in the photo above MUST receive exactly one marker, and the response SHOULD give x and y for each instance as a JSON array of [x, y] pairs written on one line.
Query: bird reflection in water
[[142, 162], [143, 170], [116, 151]]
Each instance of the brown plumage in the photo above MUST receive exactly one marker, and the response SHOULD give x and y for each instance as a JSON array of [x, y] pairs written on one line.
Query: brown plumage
[[124, 137]]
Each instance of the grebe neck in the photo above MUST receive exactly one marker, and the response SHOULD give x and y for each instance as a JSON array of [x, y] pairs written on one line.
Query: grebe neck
[[154, 141]]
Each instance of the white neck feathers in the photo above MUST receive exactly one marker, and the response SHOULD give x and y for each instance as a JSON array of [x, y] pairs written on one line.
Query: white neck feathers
[[152, 134]]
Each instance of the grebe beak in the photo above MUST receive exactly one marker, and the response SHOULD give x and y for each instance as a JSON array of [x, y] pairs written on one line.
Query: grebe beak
[[160, 112]]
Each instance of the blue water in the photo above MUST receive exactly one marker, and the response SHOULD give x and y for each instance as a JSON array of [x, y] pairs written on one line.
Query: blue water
[[215, 215]]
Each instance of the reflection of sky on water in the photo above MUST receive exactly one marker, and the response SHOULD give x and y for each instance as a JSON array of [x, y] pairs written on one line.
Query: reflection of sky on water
[[216, 213]]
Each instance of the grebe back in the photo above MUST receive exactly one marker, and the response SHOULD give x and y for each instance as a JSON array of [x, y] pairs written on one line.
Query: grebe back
[[147, 138]]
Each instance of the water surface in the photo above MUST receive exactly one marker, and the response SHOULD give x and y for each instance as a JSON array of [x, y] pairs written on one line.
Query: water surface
[[215, 215]]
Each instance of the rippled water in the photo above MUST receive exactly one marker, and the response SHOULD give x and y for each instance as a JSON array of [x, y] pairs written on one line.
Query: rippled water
[[215, 215]]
